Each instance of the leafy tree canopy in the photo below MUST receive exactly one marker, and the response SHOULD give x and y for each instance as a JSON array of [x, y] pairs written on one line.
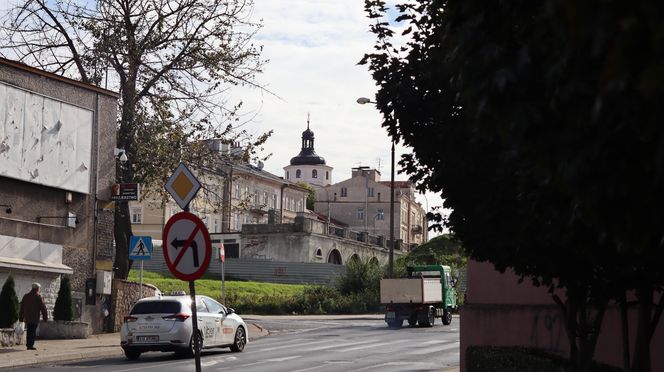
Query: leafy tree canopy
[[540, 124]]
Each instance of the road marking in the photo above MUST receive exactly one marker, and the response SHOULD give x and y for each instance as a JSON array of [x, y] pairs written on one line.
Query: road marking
[[325, 364], [290, 345], [273, 360], [370, 346], [339, 344], [453, 345]]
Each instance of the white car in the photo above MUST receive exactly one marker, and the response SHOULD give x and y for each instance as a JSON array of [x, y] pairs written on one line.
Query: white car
[[164, 323]]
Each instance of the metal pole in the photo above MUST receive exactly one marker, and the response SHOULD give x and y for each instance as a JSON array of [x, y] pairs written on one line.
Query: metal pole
[[390, 267], [223, 288], [140, 281], [194, 321]]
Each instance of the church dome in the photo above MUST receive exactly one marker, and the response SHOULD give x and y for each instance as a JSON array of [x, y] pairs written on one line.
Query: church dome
[[307, 155]]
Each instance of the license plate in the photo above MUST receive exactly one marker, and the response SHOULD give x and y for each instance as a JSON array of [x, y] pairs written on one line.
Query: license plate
[[390, 315], [147, 338]]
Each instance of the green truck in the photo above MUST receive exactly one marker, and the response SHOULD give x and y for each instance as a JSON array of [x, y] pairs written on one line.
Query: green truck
[[426, 294]]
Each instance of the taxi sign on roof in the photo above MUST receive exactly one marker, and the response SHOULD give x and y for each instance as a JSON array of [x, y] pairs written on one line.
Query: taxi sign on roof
[[182, 185]]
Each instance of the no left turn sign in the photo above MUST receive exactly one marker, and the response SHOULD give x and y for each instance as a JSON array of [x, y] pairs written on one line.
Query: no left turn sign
[[187, 248]]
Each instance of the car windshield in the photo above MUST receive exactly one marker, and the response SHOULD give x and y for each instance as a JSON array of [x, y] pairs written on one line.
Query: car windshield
[[157, 307]]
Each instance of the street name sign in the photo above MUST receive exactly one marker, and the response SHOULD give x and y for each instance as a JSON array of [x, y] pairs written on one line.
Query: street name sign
[[187, 247]]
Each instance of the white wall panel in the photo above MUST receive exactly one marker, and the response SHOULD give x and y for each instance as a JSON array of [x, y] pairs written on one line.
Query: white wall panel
[[44, 141]]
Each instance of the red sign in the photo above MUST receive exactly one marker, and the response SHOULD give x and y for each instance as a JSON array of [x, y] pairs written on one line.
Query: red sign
[[187, 247], [222, 253]]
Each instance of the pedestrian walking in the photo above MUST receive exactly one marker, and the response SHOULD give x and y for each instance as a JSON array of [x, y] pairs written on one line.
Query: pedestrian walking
[[31, 305]]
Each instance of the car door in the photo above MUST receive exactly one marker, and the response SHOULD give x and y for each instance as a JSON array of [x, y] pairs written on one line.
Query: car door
[[218, 314], [205, 323]]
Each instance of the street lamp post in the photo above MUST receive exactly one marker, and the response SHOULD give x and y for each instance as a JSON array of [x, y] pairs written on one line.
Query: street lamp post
[[390, 265]]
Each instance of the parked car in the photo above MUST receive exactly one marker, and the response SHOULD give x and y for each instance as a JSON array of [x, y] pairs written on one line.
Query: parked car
[[164, 323]]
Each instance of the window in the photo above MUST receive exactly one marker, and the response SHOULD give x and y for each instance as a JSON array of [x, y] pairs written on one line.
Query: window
[[287, 175], [314, 174], [274, 201], [299, 206], [247, 195], [298, 173], [136, 214], [238, 222], [344, 192], [360, 213], [286, 200], [237, 190], [327, 175], [213, 306], [370, 192], [256, 199], [265, 200], [215, 225], [380, 214]]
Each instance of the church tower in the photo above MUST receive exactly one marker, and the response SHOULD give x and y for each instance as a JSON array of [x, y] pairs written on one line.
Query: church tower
[[307, 166]]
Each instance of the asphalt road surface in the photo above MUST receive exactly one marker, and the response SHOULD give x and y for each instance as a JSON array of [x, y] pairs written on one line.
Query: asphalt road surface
[[312, 345]]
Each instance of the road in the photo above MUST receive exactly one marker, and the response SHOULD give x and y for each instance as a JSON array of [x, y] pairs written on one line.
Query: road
[[313, 345]]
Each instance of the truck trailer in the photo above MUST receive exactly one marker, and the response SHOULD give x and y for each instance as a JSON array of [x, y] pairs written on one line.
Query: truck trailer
[[427, 293]]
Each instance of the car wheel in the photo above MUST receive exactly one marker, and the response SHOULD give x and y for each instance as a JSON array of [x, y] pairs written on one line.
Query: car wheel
[[132, 354], [447, 317], [191, 350], [240, 340]]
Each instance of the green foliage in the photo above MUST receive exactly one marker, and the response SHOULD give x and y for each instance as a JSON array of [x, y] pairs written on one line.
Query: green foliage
[[64, 305], [540, 125], [8, 304], [360, 275], [311, 194], [360, 296], [518, 359]]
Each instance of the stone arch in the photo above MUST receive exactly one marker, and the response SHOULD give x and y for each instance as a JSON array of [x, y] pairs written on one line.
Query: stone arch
[[374, 261], [354, 258], [319, 252], [334, 257]]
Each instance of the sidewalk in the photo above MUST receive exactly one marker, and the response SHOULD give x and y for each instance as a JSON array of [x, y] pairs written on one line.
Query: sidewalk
[[105, 345]]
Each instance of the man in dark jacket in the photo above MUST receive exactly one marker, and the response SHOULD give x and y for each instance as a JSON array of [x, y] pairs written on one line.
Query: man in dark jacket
[[31, 305]]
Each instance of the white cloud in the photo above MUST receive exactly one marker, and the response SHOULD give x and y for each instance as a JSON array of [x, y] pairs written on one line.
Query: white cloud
[[313, 49]]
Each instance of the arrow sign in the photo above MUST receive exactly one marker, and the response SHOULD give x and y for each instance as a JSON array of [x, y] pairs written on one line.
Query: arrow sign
[[194, 250], [184, 233]]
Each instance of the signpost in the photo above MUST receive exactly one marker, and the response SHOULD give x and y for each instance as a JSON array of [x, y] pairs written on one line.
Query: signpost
[[187, 246], [222, 258], [140, 248], [187, 254]]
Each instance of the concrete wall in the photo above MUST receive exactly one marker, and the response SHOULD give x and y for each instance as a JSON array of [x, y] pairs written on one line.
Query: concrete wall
[[31, 202], [501, 312]]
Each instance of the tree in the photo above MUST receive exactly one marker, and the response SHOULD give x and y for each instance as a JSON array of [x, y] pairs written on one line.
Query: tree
[[64, 305], [171, 61], [8, 304], [311, 194], [539, 124]]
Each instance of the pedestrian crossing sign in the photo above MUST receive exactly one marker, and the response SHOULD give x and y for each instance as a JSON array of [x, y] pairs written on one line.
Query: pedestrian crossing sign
[[140, 248]]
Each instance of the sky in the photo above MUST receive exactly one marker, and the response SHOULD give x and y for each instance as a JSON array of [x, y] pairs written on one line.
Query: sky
[[313, 49]]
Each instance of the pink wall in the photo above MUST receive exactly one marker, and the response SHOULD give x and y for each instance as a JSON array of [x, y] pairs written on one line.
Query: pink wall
[[501, 312]]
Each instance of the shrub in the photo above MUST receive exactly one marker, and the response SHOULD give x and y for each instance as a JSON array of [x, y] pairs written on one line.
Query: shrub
[[8, 304], [64, 306], [360, 275]]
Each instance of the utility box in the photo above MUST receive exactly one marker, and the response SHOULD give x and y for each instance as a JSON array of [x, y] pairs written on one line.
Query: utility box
[[104, 280]]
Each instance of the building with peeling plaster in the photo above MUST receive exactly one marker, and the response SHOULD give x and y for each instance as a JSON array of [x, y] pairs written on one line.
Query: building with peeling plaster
[[57, 164]]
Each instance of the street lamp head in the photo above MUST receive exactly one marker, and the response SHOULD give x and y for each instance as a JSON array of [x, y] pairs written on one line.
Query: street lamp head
[[364, 100]]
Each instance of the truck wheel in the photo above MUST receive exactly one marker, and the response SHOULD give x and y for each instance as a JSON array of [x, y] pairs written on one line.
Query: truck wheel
[[447, 317], [395, 323], [412, 321], [425, 319]]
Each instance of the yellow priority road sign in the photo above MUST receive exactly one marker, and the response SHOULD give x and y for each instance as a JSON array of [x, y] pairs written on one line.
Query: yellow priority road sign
[[182, 185]]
